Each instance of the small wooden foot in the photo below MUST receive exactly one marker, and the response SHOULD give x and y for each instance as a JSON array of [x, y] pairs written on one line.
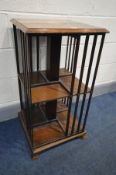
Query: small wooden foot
[[35, 156], [85, 136]]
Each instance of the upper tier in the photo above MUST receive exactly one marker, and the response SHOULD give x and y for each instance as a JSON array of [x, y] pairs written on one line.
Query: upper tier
[[43, 26]]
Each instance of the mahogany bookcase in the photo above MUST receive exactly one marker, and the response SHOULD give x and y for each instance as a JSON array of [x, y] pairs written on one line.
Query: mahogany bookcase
[[55, 100]]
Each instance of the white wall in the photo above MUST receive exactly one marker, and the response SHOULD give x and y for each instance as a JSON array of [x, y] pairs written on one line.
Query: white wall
[[96, 12]]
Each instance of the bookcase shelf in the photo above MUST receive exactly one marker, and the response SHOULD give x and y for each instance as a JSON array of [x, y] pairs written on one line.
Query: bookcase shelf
[[48, 93]]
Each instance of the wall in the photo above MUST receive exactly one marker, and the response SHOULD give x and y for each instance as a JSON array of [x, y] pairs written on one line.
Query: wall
[[95, 12]]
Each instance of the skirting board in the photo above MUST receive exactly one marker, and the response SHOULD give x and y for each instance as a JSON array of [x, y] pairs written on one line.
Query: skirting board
[[104, 88], [10, 110]]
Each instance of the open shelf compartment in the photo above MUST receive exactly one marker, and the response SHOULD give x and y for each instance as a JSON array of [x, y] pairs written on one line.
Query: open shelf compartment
[[49, 132], [38, 113], [67, 82], [61, 106], [36, 78], [39, 78]]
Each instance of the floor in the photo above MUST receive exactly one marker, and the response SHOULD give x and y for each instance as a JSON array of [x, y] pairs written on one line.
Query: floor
[[93, 156]]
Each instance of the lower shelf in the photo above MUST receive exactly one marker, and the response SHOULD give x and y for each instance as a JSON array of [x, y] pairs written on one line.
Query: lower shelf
[[51, 134], [52, 131], [47, 134]]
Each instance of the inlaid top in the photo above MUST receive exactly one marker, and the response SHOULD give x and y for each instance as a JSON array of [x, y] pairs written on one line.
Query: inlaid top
[[55, 26]]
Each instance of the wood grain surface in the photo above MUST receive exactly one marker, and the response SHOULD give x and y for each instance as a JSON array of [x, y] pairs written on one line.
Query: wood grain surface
[[55, 26]]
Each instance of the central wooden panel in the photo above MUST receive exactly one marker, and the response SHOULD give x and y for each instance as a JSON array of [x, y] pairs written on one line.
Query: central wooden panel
[[52, 72]]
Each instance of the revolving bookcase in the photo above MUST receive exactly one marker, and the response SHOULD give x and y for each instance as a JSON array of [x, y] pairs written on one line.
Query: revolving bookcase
[[55, 89]]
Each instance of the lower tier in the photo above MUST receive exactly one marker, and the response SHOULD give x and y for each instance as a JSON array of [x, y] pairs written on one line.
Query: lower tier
[[50, 134]]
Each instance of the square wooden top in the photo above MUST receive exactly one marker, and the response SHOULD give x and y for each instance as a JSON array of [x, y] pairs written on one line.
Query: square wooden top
[[43, 26]]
